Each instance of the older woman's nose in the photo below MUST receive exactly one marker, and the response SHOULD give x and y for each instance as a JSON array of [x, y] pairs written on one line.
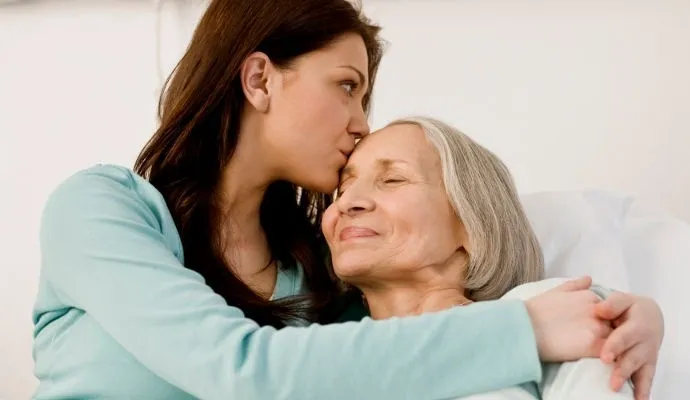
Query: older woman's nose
[[357, 209], [352, 204]]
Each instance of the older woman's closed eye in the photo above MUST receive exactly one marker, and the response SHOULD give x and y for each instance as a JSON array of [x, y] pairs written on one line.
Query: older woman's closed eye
[[426, 219]]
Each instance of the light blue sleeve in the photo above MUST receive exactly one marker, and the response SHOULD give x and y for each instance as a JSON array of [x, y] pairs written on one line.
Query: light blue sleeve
[[104, 251]]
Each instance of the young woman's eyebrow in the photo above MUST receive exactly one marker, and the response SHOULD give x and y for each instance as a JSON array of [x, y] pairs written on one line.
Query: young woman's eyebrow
[[362, 81]]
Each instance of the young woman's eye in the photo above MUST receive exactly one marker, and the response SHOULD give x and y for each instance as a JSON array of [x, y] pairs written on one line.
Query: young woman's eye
[[349, 86]]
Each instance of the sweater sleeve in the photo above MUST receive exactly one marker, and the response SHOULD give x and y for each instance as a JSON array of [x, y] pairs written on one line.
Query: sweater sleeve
[[104, 251]]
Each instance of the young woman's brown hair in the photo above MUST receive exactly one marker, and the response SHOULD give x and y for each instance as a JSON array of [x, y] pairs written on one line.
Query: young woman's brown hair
[[199, 113]]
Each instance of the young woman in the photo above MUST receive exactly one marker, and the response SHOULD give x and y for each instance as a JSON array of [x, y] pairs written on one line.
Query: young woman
[[176, 284]]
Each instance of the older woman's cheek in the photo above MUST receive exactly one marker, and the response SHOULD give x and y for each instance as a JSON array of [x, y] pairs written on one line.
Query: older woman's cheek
[[328, 223], [407, 245]]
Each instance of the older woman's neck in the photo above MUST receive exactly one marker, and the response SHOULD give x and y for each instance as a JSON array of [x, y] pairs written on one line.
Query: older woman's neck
[[412, 300]]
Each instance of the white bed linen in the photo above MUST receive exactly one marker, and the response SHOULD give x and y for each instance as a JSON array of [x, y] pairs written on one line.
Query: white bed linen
[[624, 245], [586, 379]]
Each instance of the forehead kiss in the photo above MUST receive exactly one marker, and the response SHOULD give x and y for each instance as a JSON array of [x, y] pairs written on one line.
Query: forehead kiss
[[401, 147], [392, 207]]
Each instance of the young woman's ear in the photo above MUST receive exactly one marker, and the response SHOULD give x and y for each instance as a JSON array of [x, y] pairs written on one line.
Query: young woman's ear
[[254, 76]]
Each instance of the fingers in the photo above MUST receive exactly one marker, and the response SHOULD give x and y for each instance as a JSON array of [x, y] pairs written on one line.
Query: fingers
[[604, 329], [621, 339], [615, 305], [600, 331], [626, 365], [642, 380], [574, 285]]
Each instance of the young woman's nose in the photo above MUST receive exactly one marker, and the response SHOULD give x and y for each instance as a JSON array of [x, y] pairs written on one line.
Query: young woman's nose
[[359, 126]]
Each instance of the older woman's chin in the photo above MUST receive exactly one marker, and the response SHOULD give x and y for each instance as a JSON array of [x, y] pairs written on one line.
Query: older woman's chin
[[351, 267]]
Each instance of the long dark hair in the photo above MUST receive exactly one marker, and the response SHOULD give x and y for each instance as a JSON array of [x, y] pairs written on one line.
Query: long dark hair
[[199, 124]]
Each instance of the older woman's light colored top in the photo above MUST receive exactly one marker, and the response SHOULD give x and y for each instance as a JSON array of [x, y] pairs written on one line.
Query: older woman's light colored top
[[587, 378]]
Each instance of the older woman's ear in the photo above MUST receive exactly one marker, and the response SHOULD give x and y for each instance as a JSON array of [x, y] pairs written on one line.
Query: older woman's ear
[[462, 237]]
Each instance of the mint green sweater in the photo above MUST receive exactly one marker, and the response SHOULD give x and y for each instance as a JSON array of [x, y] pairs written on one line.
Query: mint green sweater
[[118, 316]]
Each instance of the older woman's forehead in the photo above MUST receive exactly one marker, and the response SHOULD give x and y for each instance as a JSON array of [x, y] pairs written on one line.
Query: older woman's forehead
[[403, 143], [393, 139]]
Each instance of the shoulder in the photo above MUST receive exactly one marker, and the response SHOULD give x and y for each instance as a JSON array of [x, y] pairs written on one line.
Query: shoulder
[[103, 196], [531, 289], [103, 179], [103, 188]]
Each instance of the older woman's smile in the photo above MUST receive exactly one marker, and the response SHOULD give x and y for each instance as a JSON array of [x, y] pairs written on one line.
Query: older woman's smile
[[355, 232]]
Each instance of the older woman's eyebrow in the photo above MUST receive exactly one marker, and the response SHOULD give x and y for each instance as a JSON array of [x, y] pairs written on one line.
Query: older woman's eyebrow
[[388, 163], [347, 171], [383, 164]]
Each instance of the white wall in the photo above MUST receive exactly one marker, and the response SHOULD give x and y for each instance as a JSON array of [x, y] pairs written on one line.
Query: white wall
[[77, 86], [571, 94]]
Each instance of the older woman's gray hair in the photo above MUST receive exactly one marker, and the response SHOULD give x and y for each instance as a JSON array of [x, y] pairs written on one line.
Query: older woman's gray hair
[[504, 251]]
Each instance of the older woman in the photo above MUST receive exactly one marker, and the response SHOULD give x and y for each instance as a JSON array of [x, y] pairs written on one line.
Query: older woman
[[426, 219]]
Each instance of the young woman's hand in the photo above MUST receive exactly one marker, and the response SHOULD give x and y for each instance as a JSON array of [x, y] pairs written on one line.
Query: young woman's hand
[[635, 342], [565, 323]]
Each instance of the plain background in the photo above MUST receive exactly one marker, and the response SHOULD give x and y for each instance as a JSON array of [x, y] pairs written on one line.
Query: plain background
[[571, 94]]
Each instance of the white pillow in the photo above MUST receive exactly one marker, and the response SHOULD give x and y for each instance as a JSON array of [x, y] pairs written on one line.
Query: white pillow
[[581, 233], [626, 247], [657, 249]]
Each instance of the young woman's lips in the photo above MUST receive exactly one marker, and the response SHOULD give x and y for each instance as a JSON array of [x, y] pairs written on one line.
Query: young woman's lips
[[354, 232]]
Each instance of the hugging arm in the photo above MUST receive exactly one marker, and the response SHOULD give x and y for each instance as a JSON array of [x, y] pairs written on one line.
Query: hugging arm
[[105, 251]]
